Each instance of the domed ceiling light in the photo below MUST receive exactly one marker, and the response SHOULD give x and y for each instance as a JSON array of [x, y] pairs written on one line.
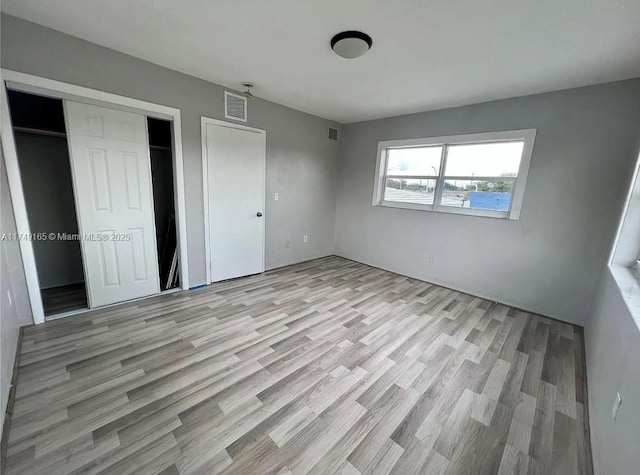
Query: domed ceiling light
[[351, 44]]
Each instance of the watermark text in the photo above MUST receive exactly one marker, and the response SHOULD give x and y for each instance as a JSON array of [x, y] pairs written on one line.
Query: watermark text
[[110, 236]]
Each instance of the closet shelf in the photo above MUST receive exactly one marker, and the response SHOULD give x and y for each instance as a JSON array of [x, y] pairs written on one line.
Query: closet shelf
[[30, 130], [53, 133]]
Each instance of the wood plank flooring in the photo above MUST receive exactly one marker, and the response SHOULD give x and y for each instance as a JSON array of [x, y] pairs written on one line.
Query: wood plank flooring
[[64, 299], [328, 366]]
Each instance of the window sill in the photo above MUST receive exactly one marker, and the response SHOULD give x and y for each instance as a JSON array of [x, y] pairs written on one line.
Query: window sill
[[449, 210], [628, 281]]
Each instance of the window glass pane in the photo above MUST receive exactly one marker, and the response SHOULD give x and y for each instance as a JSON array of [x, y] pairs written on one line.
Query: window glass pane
[[474, 194], [419, 191], [487, 159], [423, 161]]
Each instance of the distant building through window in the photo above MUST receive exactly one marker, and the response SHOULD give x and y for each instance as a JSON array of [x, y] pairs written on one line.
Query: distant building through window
[[478, 174]]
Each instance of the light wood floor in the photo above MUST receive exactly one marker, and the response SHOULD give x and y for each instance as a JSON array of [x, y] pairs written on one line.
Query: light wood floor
[[324, 367], [64, 299]]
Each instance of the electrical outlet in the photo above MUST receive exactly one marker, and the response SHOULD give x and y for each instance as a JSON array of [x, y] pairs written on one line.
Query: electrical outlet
[[306, 238], [616, 406], [276, 197]]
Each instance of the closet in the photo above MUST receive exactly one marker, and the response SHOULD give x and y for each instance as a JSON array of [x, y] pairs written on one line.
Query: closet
[[164, 208], [96, 172], [43, 158]]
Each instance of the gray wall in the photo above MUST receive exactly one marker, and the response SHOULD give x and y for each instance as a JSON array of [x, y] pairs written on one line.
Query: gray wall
[[301, 161], [46, 180], [17, 312], [612, 342], [547, 262]]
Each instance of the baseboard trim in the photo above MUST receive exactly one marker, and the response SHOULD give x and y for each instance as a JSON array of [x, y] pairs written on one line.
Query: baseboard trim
[[450, 286], [586, 415], [62, 285], [6, 426], [311, 259]]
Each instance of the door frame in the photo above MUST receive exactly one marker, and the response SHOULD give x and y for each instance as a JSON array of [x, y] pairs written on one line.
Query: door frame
[[204, 122], [60, 90]]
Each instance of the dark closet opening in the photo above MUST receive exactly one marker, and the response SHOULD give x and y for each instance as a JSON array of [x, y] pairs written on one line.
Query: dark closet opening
[[163, 198], [45, 171]]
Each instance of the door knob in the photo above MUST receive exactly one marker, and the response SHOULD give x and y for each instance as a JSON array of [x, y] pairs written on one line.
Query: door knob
[[259, 214]]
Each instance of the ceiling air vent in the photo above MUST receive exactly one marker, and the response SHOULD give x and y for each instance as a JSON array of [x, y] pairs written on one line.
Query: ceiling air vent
[[333, 133], [235, 106]]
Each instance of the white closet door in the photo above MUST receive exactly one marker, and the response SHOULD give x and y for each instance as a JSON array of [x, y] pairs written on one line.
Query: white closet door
[[236, 183], [111, 169]]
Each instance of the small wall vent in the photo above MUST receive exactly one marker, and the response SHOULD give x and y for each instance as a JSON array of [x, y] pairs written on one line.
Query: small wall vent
[[333, 133], [235, 106]]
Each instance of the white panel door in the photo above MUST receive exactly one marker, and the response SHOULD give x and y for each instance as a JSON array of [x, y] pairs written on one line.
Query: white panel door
[[236, 184], [111, 169]]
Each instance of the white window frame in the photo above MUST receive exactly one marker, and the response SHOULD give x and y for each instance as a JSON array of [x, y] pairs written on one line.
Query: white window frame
[[526, 135]]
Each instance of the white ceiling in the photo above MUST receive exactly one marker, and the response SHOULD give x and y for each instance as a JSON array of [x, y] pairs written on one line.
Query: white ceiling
[[426, 54]]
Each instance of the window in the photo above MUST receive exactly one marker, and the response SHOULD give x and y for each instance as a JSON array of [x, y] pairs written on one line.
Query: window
[[478, 174]]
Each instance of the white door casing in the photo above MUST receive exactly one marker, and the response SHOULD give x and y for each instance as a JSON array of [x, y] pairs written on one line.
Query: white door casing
[[49, 87], [236, 199], [110, 162]]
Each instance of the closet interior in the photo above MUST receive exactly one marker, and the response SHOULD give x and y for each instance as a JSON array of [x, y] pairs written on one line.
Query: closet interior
[[45, 171], [163, 201]]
